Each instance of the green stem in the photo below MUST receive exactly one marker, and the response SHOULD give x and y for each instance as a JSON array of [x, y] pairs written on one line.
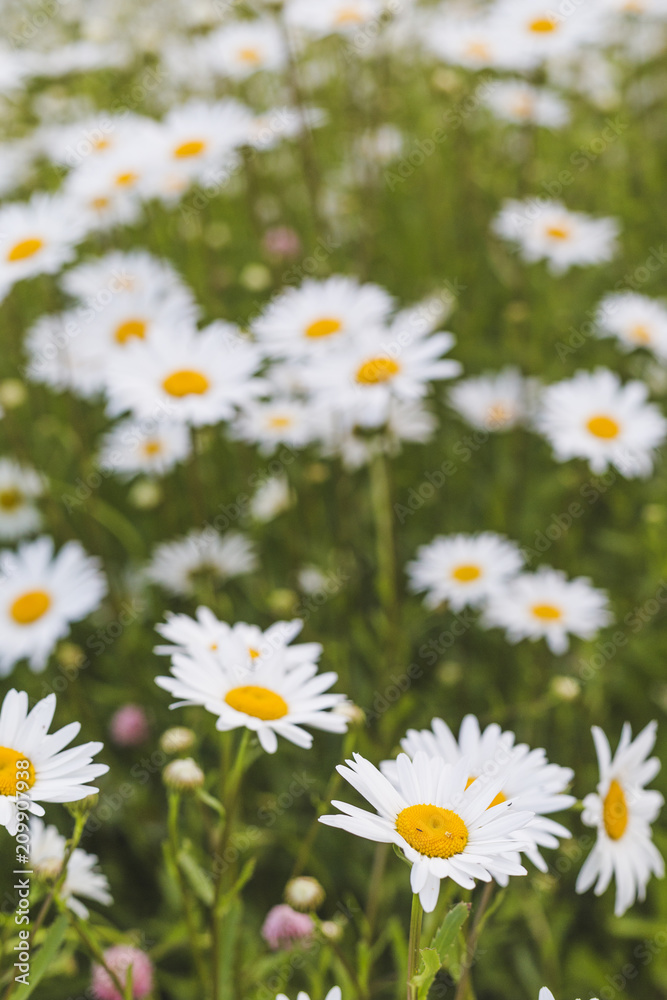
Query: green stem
[[189, 909], [384, 537], [93, 949], [471, 943], [416, 915]]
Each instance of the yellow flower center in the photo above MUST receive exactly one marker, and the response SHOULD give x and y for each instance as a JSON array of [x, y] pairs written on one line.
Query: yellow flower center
[[99, 144], [186, 383], [187, 149], [466, 573], [377, 370], [615, 811], [641, 334], [558, 232], [543, 25], [432, 830], [152, 448], [259, 702], [99, 204], [479, 50], [497, 415], [15, 768], [127, 179], [500, 797], [30, 607], [130, 328], [603, 427], [25, 249], [348, 15], [547, 612], [254, 653], [250, 55], [323, 328], [278, 423], [10, 499]]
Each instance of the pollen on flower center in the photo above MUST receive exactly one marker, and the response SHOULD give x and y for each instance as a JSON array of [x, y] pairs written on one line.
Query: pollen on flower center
[[466, 573], [603, 427], [543, 25], [10, 499], [432, 830], [615, 811], [127, 179], [558, 232], [323, 327], [377, 370], [152, 448], [11, 773], [348, 15], [547, 612], [641, 334], [187, 149], [25, 249], [278, 423], [500, 797], [254, 653], [130, 328], [250, 55], [30, 607], [259, 702], [478, 49], [186, 383], [99, 204]]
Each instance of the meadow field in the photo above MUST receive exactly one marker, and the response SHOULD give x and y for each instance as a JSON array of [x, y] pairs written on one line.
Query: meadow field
[[333, 500]]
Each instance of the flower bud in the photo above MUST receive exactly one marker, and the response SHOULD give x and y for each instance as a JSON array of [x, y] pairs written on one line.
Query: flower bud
[[304, 893], [177, 739], [183, 775]]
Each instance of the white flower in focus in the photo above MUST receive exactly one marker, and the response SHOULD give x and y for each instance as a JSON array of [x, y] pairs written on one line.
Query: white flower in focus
[[622, 810]]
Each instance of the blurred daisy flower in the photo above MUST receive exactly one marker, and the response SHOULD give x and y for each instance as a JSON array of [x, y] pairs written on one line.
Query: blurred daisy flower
[[271, 498], [36, 237], [241, 48], [529, 780], [445, 827], [546, 230], [546, 605], [47, 853], [198, 136], [141, 446], [463, 569], [29, 756], [272, 695], [622, 810], [99, 280], [635, 321], [176, 565], [594, 416], [334, 994], [328, 17], [40, 595], [546, 994], [269, 424], [518, 102], [19, 488], [495, 401]]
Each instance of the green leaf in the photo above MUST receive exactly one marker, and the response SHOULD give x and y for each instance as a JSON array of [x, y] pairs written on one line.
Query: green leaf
[[423, 979], [196, 876], [45, 956], [447, 933], [245, 876]]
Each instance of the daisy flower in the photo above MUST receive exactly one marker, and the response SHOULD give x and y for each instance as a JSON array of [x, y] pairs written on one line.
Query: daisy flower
[[194, 376], [198, 136], [546, 994], [546, 230], [334, 994], [271, 127], [118, 273], [52, 773], [535, 27], [518, 102], [495, 401], [19, 487], [474, 42], [98, 135], [546, 605], [445, 829], [239, 647], [151, 447], [463, 569], [635, 321], [53, 362], [47, 853], [270, 499], [239, 49], [279, 421], [374, 370], [594, 416], [622, 811], [529, 780], [40, 595], [328, 17], [269, 695], [36, 237], [176, 565], [319, 315], [104, 196]]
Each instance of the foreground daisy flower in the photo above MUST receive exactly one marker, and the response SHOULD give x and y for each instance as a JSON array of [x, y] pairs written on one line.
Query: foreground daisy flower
[[36, 237], [622, 810], [176, 565], [546, 605], [463, 569], [267, 694], [446, 827], [529, 780], [19, 487], [635, 321], [496, 401], [594, 416], [30, 756], [318, 315], [547, 230], [47, 852], [40, 595]]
